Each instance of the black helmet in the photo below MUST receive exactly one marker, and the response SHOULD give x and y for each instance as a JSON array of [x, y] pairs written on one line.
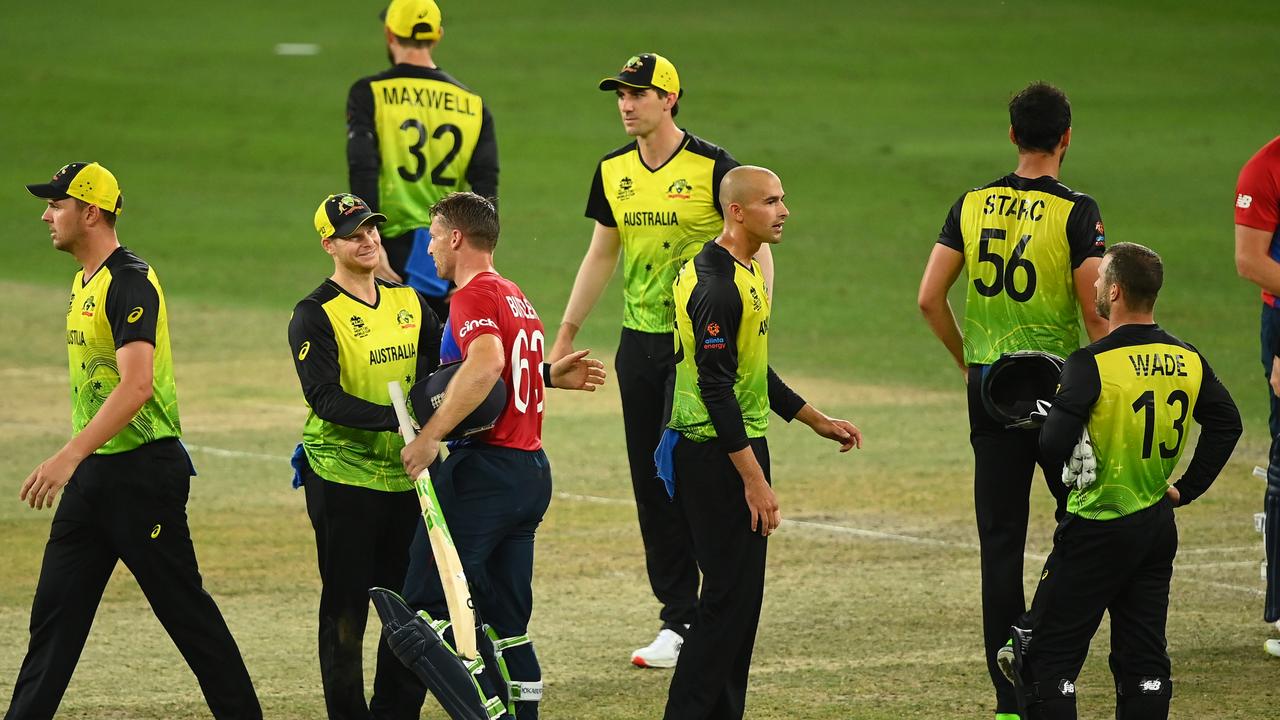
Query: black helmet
[[1018, 387], [427, 395]]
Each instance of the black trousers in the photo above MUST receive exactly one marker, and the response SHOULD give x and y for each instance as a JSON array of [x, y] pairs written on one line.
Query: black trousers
[[493, 498], [132, 507], [1004, 466], [645, 369], [362, 540], [1120, 566], [710, 682]]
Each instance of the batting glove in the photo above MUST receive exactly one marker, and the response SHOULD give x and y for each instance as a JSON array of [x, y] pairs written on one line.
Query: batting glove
[[1081, 469]]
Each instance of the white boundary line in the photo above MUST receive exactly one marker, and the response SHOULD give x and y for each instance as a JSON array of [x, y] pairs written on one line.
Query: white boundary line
[[847, 530]]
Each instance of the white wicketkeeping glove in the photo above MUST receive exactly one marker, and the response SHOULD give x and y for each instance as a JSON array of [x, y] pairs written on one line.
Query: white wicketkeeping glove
[[1081, 469]]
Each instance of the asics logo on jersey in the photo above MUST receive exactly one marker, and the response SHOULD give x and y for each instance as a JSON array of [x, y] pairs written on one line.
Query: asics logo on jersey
[[302, 351], [470, 325], [1244, 201], [135, 315], [155, 531]]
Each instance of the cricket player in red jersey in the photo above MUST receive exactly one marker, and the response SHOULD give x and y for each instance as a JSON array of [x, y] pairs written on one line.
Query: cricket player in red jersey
[[1258, 261], [493, 488]]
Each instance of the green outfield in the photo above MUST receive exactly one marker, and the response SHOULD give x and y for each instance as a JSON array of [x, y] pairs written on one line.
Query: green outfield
[[875, 115]]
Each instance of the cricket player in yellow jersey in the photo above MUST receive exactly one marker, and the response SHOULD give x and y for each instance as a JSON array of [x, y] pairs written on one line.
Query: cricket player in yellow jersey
[[414, 135], [1121, 420], [714, 457], [1030, 247], [655, 201], [126, 474], [350, 337]]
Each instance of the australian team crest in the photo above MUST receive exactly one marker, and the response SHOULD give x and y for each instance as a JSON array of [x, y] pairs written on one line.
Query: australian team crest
[[679, 190], [405, 318]]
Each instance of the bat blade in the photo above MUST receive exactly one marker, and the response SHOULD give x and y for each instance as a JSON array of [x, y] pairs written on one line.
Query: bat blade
[[453, 578]]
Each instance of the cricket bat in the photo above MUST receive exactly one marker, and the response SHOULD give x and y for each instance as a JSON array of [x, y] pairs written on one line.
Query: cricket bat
[[452, 576]]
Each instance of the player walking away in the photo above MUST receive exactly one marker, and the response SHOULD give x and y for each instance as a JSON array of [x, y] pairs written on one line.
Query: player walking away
[[655, 201], [1123, 405], [125, 472], [493, 489], [1258, 260], [1030, 247], [715, 456], [415, 134], [350, 337]]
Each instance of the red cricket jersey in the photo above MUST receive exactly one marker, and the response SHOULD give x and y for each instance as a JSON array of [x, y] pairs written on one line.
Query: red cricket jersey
[[1258, 198], [493, 305]]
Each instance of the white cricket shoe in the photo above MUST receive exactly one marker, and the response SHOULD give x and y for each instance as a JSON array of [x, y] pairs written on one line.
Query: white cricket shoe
[[1272, 647], [663, 652]]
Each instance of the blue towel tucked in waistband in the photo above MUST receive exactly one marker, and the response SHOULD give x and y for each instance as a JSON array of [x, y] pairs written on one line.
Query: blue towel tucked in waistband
[[299, 457], [663, 458]]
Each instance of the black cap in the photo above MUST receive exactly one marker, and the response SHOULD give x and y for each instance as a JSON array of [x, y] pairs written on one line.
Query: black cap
[[341, 215]]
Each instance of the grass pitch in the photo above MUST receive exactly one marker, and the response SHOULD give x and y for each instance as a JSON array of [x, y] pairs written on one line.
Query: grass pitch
[[876, 116]]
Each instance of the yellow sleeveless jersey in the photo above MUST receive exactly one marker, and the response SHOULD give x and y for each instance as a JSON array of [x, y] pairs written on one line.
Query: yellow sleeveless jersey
[[120, 304], [428, 129], [664, 215], [1021, 240], [346, 352]]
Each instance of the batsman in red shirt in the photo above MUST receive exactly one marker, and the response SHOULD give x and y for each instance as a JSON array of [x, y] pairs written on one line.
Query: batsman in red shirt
[[1258, 260], [495, 487]]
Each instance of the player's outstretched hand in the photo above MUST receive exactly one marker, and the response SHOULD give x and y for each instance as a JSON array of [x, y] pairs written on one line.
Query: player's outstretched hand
[[842, 431], [41, 487], [576, 371]]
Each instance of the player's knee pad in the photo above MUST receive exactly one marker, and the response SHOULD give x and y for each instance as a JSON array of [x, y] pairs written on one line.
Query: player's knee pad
[[415, 639], [517, 669], [1143, 697], [1050, 699]]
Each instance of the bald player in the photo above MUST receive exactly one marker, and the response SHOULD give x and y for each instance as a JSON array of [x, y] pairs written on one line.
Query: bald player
[[713, 456]]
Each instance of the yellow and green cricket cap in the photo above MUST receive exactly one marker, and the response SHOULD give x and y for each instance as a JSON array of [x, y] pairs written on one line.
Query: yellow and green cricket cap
[[646, 70], [413, 19], [89, 182], [341, 215]]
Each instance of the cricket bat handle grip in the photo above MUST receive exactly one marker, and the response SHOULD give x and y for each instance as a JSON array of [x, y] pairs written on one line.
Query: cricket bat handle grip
[[402, 411]]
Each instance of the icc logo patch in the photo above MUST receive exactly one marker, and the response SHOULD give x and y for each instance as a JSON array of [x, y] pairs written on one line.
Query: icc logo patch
[[358, 328], [626, 189]]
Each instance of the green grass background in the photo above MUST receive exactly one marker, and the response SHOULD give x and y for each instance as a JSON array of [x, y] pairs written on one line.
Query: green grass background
[[876, 115]]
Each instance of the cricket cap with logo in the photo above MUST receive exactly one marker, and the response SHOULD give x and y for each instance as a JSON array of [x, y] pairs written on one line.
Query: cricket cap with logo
[[646, 70], [341, 215], [89, 182], [413, 19]]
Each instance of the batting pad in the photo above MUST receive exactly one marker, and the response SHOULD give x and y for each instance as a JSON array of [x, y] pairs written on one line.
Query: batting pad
[[417, 645]]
